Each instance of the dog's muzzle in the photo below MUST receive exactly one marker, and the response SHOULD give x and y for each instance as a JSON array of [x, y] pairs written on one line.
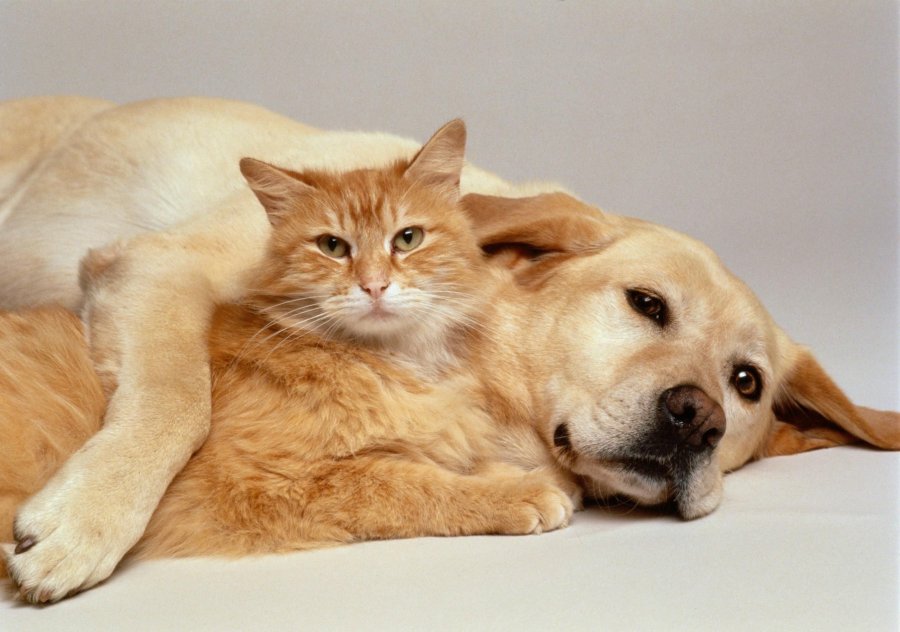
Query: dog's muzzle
[[670, 455]]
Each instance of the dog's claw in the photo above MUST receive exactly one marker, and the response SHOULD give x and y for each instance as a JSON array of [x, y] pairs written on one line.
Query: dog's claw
[[24, 544]]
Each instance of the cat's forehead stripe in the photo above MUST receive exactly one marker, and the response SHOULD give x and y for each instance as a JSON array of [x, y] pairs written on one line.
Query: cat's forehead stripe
[[372, 206]]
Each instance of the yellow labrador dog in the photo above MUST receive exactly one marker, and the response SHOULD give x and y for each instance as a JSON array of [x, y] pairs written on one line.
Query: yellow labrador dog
[[625, 357]]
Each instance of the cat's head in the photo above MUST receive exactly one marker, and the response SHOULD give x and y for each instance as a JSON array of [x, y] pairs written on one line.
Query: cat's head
[[372, 254]]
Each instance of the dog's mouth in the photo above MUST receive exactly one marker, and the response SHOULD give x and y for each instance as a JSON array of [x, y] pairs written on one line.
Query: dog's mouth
[[651, 470], [645, 467], [679, 479]]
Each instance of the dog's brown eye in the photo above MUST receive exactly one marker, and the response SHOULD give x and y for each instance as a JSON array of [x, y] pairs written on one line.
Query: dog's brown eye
[[333, 246], [648, 305], [747, 382]]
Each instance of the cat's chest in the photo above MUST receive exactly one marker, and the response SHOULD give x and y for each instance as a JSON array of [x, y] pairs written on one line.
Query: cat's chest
[[323, 405], [430, 366]]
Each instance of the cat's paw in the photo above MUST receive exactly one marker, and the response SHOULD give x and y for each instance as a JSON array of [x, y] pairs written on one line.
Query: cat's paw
[[534, 506], [65, 544]]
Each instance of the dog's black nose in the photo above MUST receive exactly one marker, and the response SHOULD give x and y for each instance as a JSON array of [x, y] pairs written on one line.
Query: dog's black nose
[[697, 420]]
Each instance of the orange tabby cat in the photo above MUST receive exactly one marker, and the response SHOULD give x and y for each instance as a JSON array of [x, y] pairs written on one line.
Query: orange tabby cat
[[339, 410]]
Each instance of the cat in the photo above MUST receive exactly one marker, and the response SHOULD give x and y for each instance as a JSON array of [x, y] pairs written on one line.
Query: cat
[[380, 257], [341, 410]]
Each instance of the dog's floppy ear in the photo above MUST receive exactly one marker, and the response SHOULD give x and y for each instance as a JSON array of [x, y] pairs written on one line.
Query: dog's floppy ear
[[546, 223], [811, 412]]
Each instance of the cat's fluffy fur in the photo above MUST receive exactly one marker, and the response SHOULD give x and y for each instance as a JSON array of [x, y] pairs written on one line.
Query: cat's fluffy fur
[[322, 431], [51, 401], [312, 443], [422, 296]]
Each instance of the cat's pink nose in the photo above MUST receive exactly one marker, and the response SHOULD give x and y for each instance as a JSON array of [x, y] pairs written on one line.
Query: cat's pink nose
[[375, 288]]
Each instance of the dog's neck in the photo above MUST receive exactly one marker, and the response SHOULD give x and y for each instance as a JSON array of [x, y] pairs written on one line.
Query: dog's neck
[[512, 366], [508, 362]]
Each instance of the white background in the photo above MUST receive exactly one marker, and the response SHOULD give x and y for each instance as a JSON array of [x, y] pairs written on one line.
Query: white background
[[767, 129]]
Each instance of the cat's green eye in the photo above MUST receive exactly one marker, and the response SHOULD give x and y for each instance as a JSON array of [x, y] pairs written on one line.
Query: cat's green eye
[[333, 246], [409, 239]]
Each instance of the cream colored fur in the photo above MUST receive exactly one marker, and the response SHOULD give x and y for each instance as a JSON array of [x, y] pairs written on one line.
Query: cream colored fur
[[124, 172], [164, 174]]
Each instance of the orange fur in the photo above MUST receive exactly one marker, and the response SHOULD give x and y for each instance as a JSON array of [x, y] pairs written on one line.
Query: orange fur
[[411, 302], [313, 442], [325, 430], [387, 436], [51, 401], [318, 440]]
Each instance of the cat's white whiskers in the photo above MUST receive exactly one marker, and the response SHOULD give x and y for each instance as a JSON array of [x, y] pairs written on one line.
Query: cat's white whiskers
[[297, 294], [306, 298], [289, 337], [300, 329], [249, 342], [297, 312], [328, 332], [451, 307], [310, 323], [458, 318], [247, 345], [293, 301], [449, 293], [283, 321]]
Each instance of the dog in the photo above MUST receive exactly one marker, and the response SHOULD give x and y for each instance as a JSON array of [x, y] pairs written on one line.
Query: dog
[[627, 358]]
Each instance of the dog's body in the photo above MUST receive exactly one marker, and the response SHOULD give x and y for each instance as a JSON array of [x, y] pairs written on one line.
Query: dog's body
[[620, 350]]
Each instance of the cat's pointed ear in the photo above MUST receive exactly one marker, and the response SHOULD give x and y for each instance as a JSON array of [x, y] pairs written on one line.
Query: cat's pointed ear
[[811, 412], [440, 161], [277, 189]]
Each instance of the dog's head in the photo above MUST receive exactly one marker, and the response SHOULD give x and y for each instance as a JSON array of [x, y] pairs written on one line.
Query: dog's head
[[660, 370]]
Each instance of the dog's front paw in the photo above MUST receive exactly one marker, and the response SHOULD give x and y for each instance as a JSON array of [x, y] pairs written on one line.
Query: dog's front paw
[[66, 543], [534, 506]]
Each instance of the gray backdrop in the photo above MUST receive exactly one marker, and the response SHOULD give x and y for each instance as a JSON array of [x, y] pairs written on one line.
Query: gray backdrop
[[768, 129]]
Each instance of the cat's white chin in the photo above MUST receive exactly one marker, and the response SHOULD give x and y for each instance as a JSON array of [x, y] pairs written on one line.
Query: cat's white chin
[[378, 323]]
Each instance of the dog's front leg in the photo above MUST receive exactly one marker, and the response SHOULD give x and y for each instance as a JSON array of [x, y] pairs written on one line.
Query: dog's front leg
[[148, 308], [73, 533]]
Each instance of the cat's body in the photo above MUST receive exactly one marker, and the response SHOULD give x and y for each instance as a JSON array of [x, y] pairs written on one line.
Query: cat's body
[[313, 442], [317, 441], [344, 403]]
